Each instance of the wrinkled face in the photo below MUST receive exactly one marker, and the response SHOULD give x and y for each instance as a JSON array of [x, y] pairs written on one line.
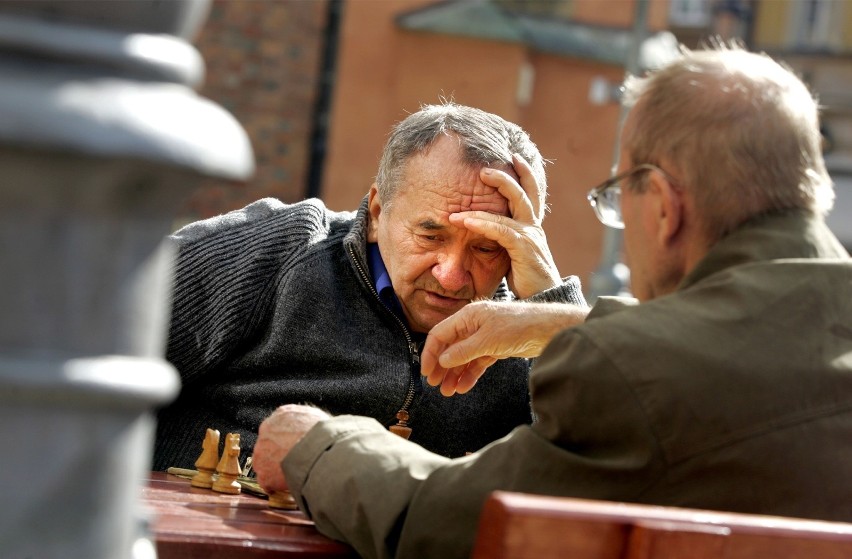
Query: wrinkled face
[[656, 266], [436, 268], [637, 246], [636, 243]]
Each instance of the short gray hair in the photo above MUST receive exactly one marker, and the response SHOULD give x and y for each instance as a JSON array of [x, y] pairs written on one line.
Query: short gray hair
[[741, 129], [486, 139]]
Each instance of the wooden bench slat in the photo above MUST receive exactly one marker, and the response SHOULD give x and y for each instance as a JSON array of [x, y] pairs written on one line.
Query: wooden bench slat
[[518, 526]]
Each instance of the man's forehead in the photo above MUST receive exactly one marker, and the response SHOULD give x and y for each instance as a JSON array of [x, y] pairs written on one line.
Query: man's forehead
[[484, 199], [433, 213], [440, 179], [461, 194]]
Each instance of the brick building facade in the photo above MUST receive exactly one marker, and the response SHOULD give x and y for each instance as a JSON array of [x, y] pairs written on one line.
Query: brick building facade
[[318, 83], [264, 65]]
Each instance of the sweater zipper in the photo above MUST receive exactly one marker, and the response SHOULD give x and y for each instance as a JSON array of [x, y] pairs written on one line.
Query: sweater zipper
[[402, 416]]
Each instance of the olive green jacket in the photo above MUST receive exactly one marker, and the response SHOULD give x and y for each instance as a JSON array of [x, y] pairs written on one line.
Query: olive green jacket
[[733, 393]]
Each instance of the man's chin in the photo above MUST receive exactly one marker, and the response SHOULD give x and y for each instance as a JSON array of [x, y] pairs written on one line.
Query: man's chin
[[428, 319]]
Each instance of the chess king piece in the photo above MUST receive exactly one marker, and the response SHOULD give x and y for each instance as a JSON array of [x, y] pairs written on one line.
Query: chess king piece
[[207, 462], [229, 466], [276, 435]]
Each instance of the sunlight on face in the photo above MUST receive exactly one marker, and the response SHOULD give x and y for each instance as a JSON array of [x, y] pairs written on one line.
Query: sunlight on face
[[636, 245], [435, 267]]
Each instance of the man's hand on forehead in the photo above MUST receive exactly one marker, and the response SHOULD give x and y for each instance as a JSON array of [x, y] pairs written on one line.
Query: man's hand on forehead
[[490, 200], [501, 190], [518, 186], [518, 231]]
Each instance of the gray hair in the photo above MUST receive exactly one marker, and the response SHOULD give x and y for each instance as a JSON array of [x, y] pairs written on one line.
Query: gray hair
[[485, 139], [741, 130]]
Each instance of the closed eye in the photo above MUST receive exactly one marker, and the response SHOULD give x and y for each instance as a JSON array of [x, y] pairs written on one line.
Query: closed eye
[[488, 249]]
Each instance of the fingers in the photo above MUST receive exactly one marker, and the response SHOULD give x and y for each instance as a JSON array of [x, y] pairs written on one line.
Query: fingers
[[529, 184], [461, 352], [429, 367], [452, 356], [532, 267], [472, 374], [441, 336], [449, 382], [459, 380], [520, 206], [503, 230], [445, 363], [435, 375]]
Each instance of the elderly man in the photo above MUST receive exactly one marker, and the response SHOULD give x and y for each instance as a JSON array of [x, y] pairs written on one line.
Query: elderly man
[[278, 304], [727, 385]]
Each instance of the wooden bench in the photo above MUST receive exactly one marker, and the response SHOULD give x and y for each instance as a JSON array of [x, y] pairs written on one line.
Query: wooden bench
[[519, 526]]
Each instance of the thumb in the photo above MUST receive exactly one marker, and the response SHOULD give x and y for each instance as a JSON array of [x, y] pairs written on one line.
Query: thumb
[[461, 353]]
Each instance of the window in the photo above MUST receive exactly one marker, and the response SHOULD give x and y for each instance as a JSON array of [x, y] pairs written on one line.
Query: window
[[817, 24], [689, 13]]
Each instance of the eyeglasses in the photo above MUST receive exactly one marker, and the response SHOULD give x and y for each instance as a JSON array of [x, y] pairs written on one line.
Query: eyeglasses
[[606, 197]]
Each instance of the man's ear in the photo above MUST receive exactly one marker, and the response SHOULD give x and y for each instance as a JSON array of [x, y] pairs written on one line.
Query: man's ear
[[374, 209], [668, 208]]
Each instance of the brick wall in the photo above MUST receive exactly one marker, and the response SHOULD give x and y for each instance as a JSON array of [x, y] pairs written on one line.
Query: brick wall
[[263, 62]]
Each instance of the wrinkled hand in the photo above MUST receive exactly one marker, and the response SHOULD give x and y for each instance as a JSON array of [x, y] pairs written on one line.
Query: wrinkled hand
[[460, 348], [277, 435], [532, 268]]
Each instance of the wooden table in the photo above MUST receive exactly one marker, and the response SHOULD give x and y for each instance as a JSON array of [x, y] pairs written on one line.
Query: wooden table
[[189, 523]]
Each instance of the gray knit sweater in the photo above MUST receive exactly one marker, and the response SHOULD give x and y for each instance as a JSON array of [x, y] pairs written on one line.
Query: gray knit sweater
[[273, 304]]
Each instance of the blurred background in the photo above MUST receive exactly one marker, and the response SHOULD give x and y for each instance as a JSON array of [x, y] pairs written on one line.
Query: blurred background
[[318, 84]]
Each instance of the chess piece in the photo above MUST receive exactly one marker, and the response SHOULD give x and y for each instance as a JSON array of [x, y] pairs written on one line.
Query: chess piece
[[206, 463], [401, 428], [228, 468], [282, 500]]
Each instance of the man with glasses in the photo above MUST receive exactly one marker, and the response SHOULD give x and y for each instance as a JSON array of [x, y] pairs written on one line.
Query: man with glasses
[[726, 384]]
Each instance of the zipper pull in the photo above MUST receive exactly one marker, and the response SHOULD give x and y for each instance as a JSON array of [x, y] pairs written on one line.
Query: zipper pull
[[415, 353], [401, 428]]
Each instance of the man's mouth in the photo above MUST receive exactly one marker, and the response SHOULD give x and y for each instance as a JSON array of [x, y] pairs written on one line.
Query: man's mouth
[[441, 301]]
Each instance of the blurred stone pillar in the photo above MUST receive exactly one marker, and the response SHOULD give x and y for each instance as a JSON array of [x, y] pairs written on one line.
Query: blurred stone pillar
[[102, 137]]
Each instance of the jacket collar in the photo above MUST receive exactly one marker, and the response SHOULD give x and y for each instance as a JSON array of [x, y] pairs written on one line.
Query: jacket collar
[[782, 235]]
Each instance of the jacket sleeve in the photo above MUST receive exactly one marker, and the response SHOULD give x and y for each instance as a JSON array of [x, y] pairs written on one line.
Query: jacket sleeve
[[355, 480], [569, 291], [224, 277], [388, 497]]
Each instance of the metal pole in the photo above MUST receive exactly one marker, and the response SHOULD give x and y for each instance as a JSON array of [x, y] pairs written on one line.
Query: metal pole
[[102, 136], [612, 276]]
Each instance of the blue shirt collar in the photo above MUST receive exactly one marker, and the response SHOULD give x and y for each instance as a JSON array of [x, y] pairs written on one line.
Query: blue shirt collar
[[382, 282]]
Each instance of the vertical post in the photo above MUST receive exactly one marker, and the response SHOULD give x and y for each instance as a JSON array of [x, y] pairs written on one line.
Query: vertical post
[[101, 138], [612, 276]]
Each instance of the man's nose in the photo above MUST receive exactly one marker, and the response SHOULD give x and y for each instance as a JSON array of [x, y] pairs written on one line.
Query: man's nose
[[453, 271]]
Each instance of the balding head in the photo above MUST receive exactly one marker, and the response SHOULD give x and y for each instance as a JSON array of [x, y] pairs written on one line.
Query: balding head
[[740, 130]]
